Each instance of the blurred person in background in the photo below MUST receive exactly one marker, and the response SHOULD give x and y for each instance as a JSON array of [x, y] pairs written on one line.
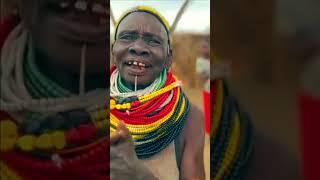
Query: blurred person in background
[[298, 26], [203, 70], [203, 63]]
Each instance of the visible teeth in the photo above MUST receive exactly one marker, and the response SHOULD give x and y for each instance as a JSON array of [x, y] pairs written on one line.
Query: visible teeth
[[141, 64], [64, 5], [136, 63], [81, 5], [99, 8]]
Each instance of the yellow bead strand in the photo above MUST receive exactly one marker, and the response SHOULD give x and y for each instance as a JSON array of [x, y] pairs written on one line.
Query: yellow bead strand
[[27, 142], [145, 98], [138, 131], [148, 97], [9, 135], [142, 129], [58, 139], [44, 142], [232, 149], [219, 107]]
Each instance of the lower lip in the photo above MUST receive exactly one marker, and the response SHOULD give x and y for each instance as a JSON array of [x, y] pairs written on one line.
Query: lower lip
[[136, 71]]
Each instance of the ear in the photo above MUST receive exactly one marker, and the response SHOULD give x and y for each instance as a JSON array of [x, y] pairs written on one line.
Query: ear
[[169, 59], [112, 45], [111, 54]]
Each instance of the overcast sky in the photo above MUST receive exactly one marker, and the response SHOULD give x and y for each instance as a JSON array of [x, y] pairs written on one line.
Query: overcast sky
[[195, 19]]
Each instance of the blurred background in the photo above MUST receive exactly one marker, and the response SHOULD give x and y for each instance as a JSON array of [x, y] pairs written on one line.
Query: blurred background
[[189, 37], [273, 48]]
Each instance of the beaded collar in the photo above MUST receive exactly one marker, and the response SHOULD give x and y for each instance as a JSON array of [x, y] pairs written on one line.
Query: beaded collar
[[154, 119], [231, 136], [65, 141]]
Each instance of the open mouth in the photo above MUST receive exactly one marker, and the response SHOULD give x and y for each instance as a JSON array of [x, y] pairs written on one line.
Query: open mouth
[[80, 20], [137, 67]]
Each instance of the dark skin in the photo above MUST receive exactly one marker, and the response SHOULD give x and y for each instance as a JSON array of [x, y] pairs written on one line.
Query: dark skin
[[192, 166], [58, 45], [144, 43], [142, 37], [58, 50], [124, 163]]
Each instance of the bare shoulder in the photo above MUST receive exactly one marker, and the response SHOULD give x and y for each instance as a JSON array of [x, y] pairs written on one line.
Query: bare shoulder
[[192, 161], [271, 160], [194, 128]]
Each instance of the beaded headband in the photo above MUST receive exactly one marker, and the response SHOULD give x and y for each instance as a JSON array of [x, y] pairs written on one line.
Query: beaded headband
[[149, 10]]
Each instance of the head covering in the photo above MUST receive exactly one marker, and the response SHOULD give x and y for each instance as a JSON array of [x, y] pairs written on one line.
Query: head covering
[[149, 10]]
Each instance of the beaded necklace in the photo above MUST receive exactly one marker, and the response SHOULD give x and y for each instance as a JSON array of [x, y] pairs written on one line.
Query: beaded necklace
[[158, 83], [231, 135], [39, 85], [154, 119], [120, 91], [14, 93], [57, 144]]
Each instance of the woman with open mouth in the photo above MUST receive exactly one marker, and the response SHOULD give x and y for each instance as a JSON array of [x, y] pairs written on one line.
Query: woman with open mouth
[[53, 115], [165, 130]]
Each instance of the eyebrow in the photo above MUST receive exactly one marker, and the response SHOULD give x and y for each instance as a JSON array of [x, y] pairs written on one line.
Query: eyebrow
[[153, 35], [148, 34]]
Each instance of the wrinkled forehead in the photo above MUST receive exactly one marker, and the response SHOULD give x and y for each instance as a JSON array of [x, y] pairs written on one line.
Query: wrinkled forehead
[[143, 22]]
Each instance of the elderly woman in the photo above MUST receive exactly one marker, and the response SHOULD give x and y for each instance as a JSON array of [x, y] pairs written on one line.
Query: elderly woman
[[166, 129], [53, 69]]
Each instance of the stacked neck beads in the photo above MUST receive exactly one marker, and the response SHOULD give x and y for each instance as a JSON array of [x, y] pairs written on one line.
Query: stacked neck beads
[[231, 138], [161, 82], [39, 85], [64, 145], [54, 131], [42, 138], [154, 119]]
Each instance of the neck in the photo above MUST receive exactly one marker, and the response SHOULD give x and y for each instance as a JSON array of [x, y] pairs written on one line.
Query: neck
[[66, 78], [133, 86]]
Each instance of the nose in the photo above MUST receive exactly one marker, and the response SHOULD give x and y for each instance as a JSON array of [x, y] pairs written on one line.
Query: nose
[[139, 49]]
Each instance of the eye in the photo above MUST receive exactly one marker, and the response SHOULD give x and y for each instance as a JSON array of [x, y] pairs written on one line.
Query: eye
[[128, 37], [153, 42]]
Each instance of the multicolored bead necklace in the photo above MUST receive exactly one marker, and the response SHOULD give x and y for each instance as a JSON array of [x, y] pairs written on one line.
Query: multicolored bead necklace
[[59, 145], [231, 135], [38, 84], [154, 119]]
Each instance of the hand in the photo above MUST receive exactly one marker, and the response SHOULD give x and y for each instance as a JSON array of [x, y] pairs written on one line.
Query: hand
[[124, 163], [121, 135]]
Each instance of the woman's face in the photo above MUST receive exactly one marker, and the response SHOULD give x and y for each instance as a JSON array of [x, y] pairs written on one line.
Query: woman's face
[[141, 49], [59, 28]]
